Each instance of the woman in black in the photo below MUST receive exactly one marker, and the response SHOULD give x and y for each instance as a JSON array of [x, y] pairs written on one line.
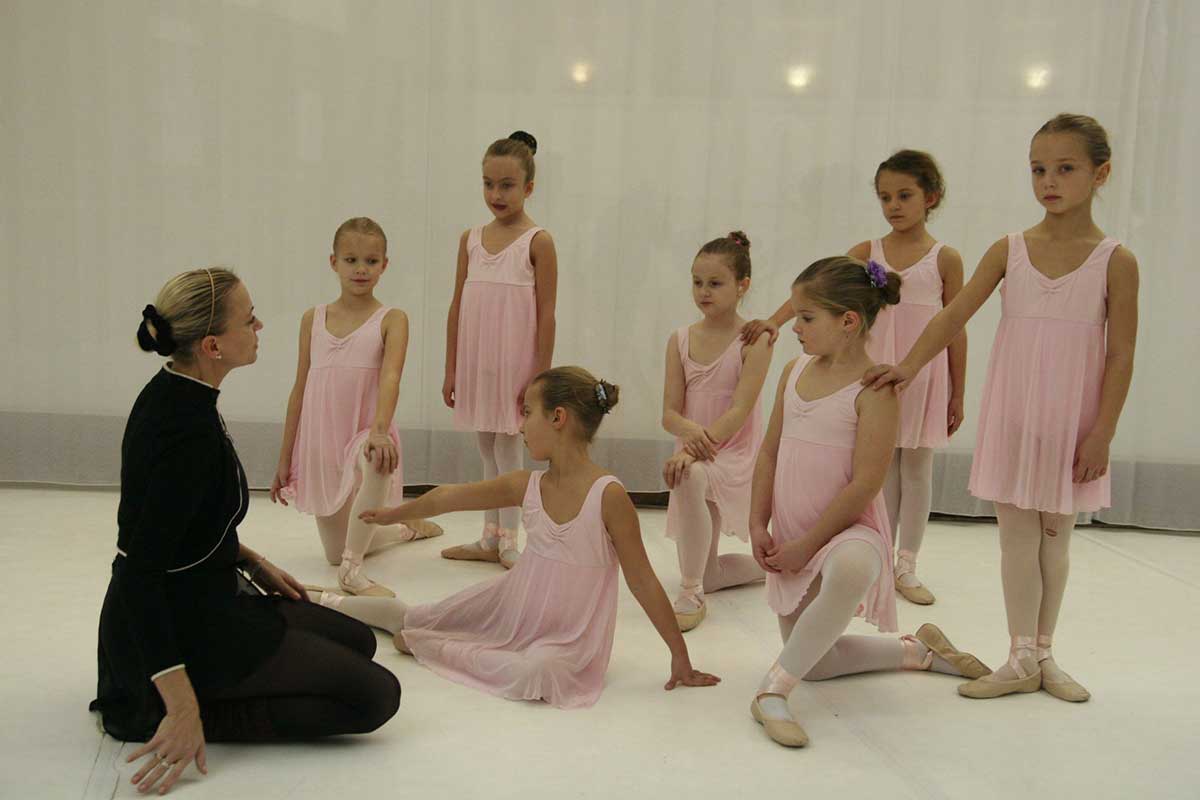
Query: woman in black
[[187, 654]]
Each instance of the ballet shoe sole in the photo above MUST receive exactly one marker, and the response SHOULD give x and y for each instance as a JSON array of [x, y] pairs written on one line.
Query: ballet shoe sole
[[691, 619], [987, 690], [932, 637], [788, 734], [466, 553]]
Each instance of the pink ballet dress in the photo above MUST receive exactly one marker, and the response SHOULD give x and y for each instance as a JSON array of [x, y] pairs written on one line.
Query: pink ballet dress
[[815, 463], [925, 401], [497, 335], [544, 630], [340, 398], [707, 395], [1042, 394]]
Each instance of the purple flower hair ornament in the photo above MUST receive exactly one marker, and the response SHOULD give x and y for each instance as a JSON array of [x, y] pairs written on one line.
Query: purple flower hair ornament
[[876, 274]]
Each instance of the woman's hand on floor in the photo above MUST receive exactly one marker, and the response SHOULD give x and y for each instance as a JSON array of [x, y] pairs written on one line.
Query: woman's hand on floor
[[178, 742]]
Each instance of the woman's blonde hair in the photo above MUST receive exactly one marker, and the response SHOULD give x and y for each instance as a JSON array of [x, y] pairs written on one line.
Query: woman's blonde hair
[[192, 305]]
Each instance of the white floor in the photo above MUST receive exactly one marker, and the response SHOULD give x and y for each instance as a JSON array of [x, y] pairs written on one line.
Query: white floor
[[1128, 633]]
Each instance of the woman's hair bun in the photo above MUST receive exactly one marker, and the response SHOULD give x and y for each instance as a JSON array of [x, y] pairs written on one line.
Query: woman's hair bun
[[158, 340]]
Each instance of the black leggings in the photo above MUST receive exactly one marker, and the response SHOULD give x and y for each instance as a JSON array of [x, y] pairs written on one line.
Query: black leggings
[[320, 682]]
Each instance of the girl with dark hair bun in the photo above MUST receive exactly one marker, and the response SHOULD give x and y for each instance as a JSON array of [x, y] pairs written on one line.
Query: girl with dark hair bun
[[500, 330]]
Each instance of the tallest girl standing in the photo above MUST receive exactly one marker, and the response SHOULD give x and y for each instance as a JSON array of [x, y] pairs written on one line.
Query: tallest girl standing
[[1059, 374], [500, 330]]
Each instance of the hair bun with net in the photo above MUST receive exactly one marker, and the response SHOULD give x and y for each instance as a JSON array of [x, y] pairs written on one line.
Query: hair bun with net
[[740, 239], [526, 139], [160, 341]]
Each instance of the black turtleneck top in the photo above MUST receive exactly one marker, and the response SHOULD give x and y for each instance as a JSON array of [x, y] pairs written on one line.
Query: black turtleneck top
[[183, 494]]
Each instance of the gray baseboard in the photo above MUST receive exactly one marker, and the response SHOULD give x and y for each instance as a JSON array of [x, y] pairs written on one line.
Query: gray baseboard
[[85, 450]]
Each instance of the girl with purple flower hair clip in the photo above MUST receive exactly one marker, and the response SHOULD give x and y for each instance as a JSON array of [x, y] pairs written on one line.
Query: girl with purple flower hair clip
[[818, 525], [910, 187]]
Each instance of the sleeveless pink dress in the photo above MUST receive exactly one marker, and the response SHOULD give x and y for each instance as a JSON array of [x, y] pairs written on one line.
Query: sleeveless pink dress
[[707, 395], [497, 335], [923, 406], [544, 630], [1042, 394], [815, 462], [340, 398]]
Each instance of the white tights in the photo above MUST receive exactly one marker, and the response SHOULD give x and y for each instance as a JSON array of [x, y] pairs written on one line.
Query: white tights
[[386, 613], [908, 495], [501, 453], [700, 567], [811, 631], [1034, 564], [343, 534], [815, 646]]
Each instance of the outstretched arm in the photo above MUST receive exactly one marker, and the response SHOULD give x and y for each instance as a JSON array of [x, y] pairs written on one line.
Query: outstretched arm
[[770, 326], [948, 323], [502, 492]]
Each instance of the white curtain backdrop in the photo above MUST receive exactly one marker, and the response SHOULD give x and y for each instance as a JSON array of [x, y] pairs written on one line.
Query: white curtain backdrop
[[138, 139]]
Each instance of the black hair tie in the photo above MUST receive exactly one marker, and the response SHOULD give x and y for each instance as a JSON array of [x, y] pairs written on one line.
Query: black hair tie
[[162, 342]]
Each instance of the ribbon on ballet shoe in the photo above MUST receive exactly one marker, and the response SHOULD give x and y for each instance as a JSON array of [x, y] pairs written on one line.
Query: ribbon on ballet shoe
[[1022, 647], [693, 593], [330, 599], [1044, 642], [906, 563], [507, 539], [777, 681], [912, 653]]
